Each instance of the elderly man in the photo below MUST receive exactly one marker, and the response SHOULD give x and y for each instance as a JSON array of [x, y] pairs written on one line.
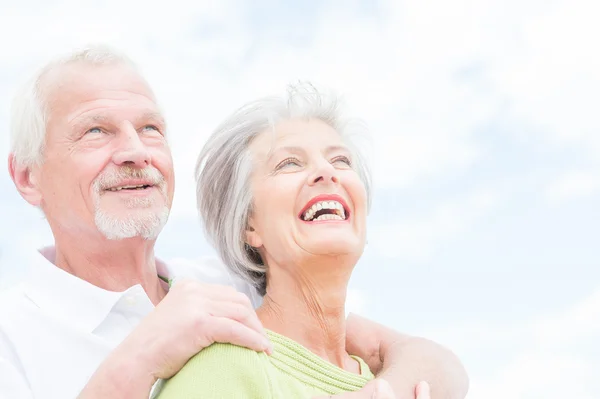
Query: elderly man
[[95, 319]]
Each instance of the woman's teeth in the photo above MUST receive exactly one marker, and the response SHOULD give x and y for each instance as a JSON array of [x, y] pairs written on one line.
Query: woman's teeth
[[333, 209], [328, 216]]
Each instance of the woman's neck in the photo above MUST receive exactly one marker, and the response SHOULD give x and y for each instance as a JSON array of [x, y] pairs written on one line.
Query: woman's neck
[[310, 311]]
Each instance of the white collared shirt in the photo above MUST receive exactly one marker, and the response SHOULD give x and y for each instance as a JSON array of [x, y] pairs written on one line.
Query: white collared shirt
[[56, 329]]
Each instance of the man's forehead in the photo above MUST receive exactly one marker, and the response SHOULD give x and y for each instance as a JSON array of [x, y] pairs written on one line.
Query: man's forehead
[[82, 82], [100, 92]]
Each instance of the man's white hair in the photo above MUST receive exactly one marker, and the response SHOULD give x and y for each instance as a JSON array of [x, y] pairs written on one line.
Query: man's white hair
[[29, 111]]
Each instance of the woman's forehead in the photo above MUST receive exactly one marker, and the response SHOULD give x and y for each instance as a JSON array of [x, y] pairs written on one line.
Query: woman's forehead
[[295, 135]]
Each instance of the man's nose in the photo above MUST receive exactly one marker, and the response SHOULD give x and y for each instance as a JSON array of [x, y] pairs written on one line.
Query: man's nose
[[131, 150]]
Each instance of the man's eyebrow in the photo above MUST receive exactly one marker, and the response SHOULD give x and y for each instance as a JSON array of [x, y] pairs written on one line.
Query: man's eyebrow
[[154, 116], [87, 120]]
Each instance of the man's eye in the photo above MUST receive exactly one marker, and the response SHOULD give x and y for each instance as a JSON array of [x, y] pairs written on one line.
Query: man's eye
[[94, 130], [150, 127]]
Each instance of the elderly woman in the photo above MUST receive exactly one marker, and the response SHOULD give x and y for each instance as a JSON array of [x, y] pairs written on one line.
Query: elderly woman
[[284, 196]]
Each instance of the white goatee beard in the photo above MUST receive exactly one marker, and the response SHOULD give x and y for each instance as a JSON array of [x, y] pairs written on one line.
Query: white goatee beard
[[146, 225]]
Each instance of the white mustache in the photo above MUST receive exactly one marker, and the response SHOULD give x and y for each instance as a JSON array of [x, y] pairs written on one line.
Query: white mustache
[[114, 178]]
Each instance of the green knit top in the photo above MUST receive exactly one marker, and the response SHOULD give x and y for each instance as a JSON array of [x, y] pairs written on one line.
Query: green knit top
[[230, 371]]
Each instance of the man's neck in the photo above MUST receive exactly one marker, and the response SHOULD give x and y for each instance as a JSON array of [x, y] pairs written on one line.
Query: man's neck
[[311, 312], [114, 265]]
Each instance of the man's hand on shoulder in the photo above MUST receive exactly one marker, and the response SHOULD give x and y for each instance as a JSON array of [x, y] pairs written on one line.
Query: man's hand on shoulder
[[191, 317]]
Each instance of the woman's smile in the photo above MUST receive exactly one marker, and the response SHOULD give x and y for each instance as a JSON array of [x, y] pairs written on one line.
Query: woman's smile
[[325, 207]]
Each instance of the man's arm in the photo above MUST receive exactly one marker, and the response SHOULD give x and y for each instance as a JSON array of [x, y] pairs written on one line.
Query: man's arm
[[404, 361], [120, 376]]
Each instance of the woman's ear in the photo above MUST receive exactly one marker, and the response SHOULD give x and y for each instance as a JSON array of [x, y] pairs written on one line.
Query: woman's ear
[[25, 181], [252, 237]]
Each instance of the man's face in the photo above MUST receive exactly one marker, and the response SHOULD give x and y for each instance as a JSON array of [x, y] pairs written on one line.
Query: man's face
[[107, 167]]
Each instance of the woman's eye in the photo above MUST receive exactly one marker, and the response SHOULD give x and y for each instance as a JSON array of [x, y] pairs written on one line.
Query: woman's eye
[[341, 160], [288, 162]]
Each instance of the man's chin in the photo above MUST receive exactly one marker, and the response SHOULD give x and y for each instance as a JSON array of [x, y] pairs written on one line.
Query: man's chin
[[142, 224]]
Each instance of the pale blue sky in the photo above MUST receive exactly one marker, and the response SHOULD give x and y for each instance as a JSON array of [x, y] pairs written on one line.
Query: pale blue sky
[[485, 147]]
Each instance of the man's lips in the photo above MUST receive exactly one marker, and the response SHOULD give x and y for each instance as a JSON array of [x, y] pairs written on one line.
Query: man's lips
[[131, 185]]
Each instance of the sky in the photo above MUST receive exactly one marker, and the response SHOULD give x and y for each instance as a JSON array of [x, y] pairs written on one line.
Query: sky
[[484, 143]]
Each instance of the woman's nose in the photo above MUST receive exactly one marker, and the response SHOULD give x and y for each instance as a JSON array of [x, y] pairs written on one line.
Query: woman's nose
[[324, 173]]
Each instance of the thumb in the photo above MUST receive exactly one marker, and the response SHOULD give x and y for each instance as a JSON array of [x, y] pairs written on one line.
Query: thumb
[[383, 390], [422, 391]]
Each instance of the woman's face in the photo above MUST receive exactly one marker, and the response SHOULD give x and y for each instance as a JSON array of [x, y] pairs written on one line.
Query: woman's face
[[307, 199]]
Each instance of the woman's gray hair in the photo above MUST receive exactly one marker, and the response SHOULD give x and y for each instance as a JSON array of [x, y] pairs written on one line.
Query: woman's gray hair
[[224, 168]]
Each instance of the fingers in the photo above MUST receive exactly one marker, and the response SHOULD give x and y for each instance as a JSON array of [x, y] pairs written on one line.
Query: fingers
[[422, 390], [240, 313], [215, 313], [225, 330], [219, 301]]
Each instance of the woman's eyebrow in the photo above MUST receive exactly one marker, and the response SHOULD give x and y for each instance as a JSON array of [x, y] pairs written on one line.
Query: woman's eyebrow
[[337, 148], [287, 149]]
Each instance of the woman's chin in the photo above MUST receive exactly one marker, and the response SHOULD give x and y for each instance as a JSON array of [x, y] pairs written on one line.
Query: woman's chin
[[334, 247]]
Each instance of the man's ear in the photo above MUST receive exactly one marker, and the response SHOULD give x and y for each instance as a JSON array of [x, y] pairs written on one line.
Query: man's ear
[[25, 181], [252, 237]]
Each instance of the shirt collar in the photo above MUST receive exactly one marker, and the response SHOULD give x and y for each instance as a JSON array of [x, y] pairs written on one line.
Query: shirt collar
[[86, 305], [69, 297]]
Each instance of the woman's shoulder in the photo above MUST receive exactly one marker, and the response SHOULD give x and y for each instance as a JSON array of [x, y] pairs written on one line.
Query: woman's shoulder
[[222, 369], [230, 356]]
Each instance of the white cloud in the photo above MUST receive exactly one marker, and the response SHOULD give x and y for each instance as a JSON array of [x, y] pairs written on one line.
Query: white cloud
[[549, 76], [540, 375], [560, 357], [556, 355], [578, 324], [549, 356], [573, 185], [417, 238]]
